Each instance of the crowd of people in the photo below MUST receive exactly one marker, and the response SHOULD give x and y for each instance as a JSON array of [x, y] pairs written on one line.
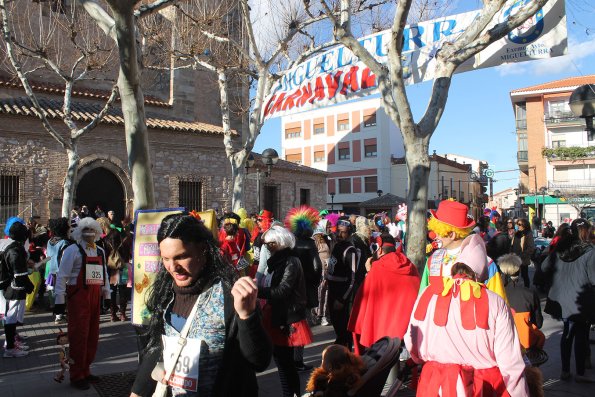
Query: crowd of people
[[223, 306]]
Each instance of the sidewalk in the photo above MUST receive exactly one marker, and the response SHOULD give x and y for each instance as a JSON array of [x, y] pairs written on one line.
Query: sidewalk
[[33, 375]]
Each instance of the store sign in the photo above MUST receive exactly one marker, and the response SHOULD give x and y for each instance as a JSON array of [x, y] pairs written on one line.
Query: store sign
[[337, 75]]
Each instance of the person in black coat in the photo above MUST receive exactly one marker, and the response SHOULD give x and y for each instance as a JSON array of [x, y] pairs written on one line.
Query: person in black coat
[[284, 314], [194, 272], [499, 244], [16, 292]]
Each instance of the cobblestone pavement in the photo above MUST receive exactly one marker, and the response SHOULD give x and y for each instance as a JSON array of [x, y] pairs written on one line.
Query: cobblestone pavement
[[117, 353]]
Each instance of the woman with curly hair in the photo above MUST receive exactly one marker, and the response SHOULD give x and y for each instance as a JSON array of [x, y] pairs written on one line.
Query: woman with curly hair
[[226, 343], [339, 372]]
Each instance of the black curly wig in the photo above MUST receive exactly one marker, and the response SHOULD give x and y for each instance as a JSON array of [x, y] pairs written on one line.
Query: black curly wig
[[191, 231]]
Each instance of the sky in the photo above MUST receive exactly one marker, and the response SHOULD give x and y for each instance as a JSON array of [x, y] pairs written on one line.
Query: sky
[[478, 121]]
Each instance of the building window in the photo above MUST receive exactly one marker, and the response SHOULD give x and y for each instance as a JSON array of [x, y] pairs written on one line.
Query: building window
[[318, 128], [345, 185], [521, 116], [304, 196], [190, 195], [370, 184], [343, 125], [294, 158], [370, 120], [561, 174], [319, 156], [293, 133], [558, 143], [9, 196], [370, 150], [559, 109], [344, 154]]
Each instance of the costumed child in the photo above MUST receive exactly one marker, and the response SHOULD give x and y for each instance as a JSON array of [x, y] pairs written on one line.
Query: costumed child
[[232, 242], [339, 372], [452, 226], [464, 335], [65, 360]]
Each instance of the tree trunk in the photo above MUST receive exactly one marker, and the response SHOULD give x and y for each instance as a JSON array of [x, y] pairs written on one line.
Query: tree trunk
[[70, 179], [238, 173], [133, 110], [418, 165]]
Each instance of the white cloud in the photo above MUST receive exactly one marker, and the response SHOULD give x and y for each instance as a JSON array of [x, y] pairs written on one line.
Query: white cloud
[[577, 53]]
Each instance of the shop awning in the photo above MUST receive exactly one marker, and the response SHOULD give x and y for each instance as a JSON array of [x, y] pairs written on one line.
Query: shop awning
[[530, 200]]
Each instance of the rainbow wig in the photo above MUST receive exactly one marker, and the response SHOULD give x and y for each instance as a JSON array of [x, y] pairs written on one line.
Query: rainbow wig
[[302, 220], [443, 229]]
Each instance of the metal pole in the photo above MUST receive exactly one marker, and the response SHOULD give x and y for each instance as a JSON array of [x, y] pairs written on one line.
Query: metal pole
[[258, 189], [557, 212]]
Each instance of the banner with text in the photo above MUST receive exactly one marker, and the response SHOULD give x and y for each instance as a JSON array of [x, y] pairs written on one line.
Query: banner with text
[[337, 75]]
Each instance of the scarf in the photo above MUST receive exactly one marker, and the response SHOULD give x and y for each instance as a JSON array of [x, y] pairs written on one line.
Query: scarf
[[185, 297]]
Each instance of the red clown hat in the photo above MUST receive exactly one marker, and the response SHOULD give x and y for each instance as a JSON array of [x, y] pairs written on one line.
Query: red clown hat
[[454, 214]]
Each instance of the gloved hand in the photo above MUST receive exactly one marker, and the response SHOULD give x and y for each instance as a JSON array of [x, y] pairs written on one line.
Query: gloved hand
[[59, 308]]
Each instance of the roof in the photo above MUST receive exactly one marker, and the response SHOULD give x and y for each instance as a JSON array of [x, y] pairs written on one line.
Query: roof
[[569, 84], [89, 93], [289, 166], [385, 201], [84, 112], [439, 160]]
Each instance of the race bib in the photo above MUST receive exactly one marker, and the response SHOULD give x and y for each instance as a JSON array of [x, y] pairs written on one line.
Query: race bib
[[185, 373], [94, 271]]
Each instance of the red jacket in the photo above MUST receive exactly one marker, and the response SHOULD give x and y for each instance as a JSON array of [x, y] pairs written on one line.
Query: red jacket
[[384, 302]]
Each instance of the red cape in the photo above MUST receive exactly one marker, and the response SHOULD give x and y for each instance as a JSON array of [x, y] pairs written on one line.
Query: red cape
[[384, 302]]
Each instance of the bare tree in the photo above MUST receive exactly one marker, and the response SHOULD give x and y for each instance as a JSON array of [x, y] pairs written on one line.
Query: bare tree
[[61, 43], [121, 26], [417, 134]]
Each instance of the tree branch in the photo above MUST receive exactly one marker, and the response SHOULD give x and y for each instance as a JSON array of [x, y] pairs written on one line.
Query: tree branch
[[99, 116], [28, 90], [100, 16], [148, 9]]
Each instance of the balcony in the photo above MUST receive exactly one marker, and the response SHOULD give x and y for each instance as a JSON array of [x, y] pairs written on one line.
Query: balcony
[[573, 185], [561, 119], [522, 158], [521, 124], [586, 154]]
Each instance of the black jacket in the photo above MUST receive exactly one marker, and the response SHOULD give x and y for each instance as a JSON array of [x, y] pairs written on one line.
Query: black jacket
[[524, 300], [16, 257], [247, 350], [523, 245], [498, 245], [340, 273], [306, 251], [287, 292]]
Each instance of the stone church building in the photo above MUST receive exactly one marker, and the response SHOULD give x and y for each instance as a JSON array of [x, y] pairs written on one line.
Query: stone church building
[[190, 168]]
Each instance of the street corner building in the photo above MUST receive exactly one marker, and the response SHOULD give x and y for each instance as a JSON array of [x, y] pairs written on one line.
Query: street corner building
[[190, 168]]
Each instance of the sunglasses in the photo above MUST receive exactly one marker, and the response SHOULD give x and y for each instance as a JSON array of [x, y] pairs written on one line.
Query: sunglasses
[[519, 224]]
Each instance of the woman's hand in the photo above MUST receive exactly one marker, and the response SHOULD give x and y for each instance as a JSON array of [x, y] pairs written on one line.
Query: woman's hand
[[244, 294]]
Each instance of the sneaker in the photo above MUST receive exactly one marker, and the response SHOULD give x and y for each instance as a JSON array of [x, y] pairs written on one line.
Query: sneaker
[[20, 338], [13, 353], [302, 367], [324, 322], [80, 384], [18, 345], [565, 375], [584, 379], [60, 319]]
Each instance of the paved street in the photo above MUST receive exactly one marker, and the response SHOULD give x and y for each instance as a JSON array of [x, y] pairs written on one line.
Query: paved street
[[33, 375]]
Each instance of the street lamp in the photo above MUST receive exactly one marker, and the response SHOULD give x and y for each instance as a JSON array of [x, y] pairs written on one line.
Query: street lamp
[[332, 194], [557, 193], [269, 158], [543, 190], [379, 192], [582, 104]]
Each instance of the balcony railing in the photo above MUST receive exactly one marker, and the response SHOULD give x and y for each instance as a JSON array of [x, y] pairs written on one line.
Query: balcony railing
[[573, 184], [561, 117], [521, 124], [522, 156]]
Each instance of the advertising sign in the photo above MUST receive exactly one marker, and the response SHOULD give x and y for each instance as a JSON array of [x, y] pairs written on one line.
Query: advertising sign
[[337, 75]]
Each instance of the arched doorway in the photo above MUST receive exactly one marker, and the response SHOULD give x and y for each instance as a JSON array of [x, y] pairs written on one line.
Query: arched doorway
[[100, 187]]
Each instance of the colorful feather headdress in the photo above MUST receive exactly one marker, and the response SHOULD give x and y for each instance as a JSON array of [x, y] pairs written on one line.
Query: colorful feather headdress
[[302, 219]]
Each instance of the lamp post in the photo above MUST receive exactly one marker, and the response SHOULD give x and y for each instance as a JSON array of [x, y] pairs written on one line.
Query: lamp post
[[332, 194], [582, 104], [557, 193], [269, 158], [379, 192], [543, 190]]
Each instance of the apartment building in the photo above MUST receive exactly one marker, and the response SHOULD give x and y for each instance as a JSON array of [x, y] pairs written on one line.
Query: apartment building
[[556, 166], [354, 142]]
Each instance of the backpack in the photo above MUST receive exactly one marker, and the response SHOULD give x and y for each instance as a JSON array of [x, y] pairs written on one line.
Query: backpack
[[6, 271], [114, 260]]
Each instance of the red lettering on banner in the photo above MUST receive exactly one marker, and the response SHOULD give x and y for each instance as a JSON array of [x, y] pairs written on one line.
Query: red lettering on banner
[[350, 80], [278, 103], [306, 94], [368, 79], [318, 90], [332, 83], [289, 103], [267, 107]]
